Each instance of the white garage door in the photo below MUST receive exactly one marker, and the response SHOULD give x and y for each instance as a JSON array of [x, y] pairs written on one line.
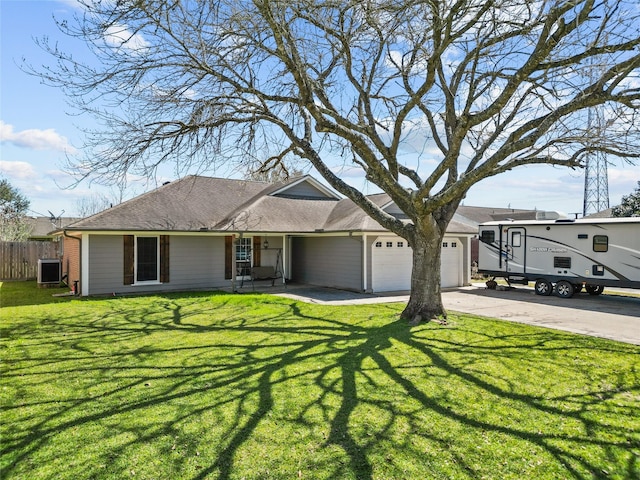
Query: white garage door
[[451, 262], [391, 264]]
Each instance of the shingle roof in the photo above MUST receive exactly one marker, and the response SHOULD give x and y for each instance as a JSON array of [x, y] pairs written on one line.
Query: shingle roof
[[608, 213], [42, 226], [197, 203], [279, 214], [479, 215], [189, 204]]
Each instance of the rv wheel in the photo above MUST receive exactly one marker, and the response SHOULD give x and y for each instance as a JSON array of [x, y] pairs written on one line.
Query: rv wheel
[[543, 287], [564, 289], [594, 289]]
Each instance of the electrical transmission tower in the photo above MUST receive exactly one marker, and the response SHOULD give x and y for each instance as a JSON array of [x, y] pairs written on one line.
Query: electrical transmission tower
[[596, 184], [596, 179]]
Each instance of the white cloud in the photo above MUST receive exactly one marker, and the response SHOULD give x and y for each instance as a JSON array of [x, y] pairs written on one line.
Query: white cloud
[[35, 139], [71, 3], [623, 180], [17, 170], [120, 37]]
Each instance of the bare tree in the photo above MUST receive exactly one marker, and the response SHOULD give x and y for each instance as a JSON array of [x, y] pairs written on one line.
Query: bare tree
[[486, 85], [92, 204]]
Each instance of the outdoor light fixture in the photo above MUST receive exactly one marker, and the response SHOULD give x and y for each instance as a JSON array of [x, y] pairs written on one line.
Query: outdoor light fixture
[[266, 244]]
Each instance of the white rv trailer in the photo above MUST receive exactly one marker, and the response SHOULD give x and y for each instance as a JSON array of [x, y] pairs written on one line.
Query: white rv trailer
[[563, 255]]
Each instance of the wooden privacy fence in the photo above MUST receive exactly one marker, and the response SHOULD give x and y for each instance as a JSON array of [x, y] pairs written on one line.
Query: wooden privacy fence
[[19, 260]]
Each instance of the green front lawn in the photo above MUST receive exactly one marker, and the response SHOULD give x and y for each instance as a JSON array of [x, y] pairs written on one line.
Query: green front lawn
[[218, 386]]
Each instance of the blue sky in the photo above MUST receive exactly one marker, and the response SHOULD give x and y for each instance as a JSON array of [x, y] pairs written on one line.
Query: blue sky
[[37, 133]]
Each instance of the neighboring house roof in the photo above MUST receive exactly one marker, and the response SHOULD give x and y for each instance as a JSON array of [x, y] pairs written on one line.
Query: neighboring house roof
[[490, 214], [608, 213], [41, 227], [299, 205]]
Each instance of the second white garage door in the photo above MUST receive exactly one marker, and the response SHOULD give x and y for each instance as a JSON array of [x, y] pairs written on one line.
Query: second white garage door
[[391, 264]]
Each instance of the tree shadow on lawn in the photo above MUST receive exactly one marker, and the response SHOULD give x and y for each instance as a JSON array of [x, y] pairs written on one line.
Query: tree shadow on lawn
[[278, 387]]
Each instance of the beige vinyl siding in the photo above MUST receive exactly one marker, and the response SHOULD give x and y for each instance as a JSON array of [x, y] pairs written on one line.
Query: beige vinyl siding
[[328, 261], [106, 265], [195, 263]]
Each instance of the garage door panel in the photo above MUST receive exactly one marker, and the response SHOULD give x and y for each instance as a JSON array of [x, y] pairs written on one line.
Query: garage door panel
[[451, 262], [392, 262], [391, 259]]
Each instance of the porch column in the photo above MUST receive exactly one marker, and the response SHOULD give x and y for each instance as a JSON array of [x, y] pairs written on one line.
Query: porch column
[[234, 268], [364, 263], [285, 258], [84, 265]]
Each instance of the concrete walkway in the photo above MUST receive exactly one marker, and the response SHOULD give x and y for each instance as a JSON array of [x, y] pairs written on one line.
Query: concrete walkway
[[611, 316]]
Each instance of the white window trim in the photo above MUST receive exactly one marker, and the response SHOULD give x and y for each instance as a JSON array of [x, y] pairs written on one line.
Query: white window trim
[[137, 282]]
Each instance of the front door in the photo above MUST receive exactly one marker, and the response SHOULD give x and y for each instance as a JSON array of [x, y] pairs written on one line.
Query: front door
[[514, 251]]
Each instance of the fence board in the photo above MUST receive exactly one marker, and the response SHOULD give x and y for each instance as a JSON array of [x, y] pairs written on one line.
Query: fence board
[[19, 260]]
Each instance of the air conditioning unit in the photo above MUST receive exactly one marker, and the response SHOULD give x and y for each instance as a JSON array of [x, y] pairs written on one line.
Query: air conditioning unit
[[542, 215], [49, 270]]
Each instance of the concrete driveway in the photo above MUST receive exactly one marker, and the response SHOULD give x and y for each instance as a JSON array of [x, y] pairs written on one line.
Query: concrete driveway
[[611, 316]]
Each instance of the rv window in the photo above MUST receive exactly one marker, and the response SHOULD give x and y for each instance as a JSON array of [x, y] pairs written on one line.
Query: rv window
[[516, 239], [488, 236], [561, 262], [600, 243]]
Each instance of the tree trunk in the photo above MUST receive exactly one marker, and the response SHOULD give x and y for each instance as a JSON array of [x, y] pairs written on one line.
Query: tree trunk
[[425, 302]]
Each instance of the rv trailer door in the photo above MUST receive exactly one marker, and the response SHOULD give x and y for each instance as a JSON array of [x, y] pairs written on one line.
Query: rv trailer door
[[514, 251]]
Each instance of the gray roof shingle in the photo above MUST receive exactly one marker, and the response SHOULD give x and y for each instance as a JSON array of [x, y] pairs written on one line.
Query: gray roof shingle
[[197, 203]]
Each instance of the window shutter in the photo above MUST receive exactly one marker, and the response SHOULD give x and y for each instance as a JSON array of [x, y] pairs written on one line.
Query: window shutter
[[164, 258], [257, 245], [128, 259], [228, 259]]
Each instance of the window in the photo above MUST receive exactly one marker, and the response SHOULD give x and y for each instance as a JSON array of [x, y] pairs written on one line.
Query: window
[[561, 262], [378, 244], [147, 259], [454, 244], [488, 236], [243, 256], [389, 244], [445, 244], [600, 243], [400, 244], [516, 239]]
